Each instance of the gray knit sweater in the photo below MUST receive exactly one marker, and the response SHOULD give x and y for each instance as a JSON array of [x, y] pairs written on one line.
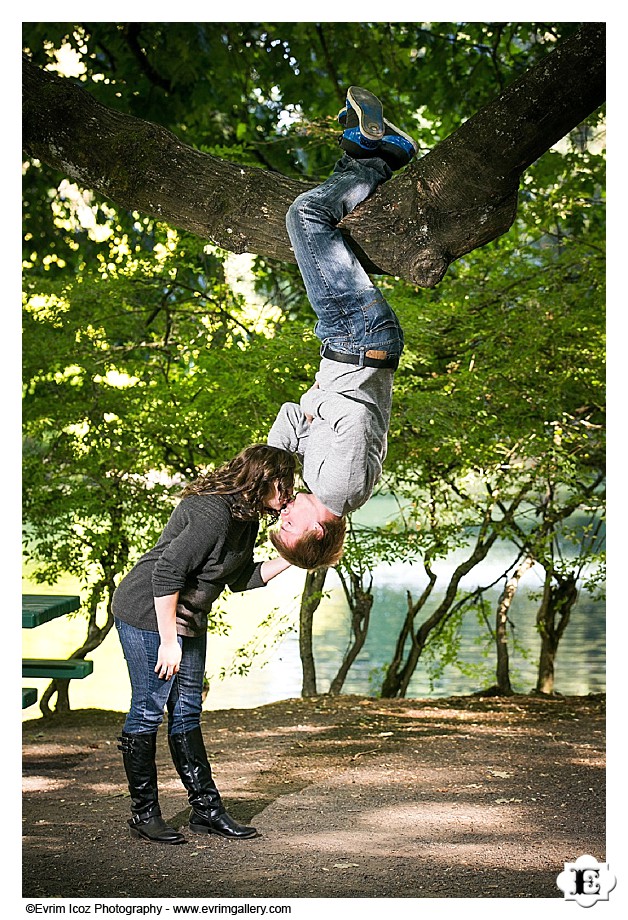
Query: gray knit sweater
[[343, 449], [202, 550]]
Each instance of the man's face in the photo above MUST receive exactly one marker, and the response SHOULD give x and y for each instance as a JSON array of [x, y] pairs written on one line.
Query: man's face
[[297, 517]]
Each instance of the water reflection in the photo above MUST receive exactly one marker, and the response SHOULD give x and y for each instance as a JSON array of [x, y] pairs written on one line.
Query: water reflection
[[580, 664]]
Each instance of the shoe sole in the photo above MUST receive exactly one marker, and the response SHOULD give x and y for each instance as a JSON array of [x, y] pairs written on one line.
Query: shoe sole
[[369, 112], [147, 839], [201, 829]]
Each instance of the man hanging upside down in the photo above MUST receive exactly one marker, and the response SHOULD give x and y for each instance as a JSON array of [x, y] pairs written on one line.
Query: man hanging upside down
[[339, 427]]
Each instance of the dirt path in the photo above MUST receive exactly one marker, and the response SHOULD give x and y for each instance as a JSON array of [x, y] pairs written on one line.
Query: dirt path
[[354, 798]]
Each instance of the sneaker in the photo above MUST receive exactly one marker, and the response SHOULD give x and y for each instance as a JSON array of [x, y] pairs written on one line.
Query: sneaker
[[396, 147], [361, 118]]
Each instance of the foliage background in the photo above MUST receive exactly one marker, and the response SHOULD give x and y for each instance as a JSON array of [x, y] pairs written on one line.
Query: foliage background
[[143, 363]]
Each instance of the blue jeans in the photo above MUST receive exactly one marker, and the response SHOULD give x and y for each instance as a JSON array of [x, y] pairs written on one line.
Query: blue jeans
[[150, 694], [353, 316]]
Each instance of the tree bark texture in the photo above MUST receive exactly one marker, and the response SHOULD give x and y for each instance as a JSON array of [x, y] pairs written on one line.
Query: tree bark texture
[[460, 196]]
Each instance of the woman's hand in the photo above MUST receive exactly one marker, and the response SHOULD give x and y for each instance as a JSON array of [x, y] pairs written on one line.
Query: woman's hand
[[168, 659], [169, 653]]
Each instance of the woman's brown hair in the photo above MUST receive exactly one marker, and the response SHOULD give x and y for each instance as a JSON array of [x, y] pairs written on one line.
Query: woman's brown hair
[[249, 477]]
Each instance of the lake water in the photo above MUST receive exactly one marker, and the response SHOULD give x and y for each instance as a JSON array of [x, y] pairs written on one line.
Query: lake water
[[276, 671]]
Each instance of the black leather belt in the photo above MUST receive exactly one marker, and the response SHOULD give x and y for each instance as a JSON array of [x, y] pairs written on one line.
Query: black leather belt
[[327, 352]]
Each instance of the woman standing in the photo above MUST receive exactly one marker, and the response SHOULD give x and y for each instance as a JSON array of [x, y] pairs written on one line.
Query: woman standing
[[161, 608]]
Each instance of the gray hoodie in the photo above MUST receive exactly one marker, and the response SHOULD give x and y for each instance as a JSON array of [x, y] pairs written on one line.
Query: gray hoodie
[[342, 450]]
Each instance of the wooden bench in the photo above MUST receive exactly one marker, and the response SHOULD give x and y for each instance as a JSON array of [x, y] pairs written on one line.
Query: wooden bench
[[29, 696], [63, 669]]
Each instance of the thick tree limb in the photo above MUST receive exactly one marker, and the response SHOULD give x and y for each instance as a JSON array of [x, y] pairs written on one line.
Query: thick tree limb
[[460, 196], [463, 194], [144, 167]]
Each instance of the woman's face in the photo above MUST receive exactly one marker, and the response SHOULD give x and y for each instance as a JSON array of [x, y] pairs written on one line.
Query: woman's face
[[273, 499]]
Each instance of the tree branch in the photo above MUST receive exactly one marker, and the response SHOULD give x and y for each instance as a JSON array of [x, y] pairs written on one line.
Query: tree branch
[[460, 196]]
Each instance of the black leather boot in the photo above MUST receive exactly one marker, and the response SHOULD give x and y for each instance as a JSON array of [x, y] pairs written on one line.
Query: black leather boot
[[208, 813], [138, 756]]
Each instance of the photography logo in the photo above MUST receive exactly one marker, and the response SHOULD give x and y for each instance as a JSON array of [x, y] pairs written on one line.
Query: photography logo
[[586, 881]]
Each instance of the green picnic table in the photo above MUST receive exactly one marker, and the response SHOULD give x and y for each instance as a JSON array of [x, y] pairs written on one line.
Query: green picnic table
[[36, 610], [41, 608]]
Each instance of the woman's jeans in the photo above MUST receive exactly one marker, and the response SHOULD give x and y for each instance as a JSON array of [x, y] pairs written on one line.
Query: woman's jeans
[[353, 317], [181, 695]]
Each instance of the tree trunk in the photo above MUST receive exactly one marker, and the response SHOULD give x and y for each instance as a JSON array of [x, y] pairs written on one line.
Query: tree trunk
[[552, 619], [310, 600], [360, 603], [504, 603], [460, 196], [400, 672]]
